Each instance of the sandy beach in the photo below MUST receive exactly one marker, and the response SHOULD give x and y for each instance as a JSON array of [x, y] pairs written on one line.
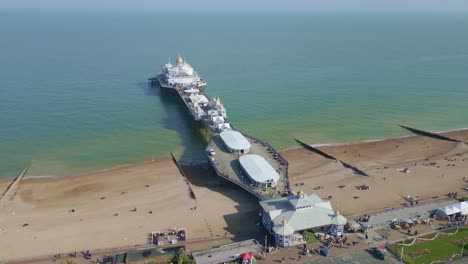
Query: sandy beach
[[45, 203], [381, 161], [103, 201]]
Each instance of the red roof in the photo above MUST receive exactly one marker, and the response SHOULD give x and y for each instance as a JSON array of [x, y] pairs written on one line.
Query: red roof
[[247, 256]]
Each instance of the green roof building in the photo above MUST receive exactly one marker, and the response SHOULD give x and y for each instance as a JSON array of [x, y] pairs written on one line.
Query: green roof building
[[286, 217]]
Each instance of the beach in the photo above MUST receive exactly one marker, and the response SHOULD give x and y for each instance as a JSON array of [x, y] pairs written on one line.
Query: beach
[[103, 203], [380, 160], [97, 210]]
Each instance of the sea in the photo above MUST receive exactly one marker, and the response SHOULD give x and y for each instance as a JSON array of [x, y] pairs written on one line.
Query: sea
[[74, 95]]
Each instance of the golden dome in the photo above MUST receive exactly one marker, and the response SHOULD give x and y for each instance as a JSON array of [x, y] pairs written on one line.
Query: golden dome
[[179, 59]]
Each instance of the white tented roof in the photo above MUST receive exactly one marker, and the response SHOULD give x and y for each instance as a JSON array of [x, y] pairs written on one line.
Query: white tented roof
[[463, 207], [450, 209], [258, 168], [191, 90], [234, 140]]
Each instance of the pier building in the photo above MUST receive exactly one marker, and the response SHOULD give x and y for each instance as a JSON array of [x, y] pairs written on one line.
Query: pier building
[[181, 73], [259, 170], [217, 119], [286, 217], [223, 127], [218, 106], [235, 142]]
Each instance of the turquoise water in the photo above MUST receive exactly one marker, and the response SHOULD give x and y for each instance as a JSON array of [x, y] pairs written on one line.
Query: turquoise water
[[74, 98]]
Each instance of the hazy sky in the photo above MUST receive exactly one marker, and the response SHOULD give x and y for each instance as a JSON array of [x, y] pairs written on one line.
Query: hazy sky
[[254, 5]]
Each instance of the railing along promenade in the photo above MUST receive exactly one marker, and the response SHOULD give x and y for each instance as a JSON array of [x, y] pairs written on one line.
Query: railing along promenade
[[256, 191]]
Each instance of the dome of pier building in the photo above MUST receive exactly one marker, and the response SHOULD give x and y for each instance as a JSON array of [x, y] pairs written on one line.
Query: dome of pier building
[[179, 59]]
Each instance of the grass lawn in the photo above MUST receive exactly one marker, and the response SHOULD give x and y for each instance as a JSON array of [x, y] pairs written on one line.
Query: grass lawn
[[441, 248], [310, 237]]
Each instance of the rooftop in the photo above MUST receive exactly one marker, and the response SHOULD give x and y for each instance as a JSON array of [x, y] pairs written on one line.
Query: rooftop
[[226, 253], [300, 212], [235, 140], [258, 168]]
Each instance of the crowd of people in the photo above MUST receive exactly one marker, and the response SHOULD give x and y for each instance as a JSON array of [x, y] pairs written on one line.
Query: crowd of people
[[175, 234]]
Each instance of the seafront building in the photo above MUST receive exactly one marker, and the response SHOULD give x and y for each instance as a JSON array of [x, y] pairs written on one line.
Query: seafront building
[[286, 217]]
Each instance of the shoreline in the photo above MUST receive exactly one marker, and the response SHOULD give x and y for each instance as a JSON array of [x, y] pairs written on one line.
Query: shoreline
[[369, 140], [378, 140], [200, 163], [51, 214]]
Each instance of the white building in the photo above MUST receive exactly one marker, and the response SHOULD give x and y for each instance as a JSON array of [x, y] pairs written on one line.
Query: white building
[[235, 141], [259, 170], [212, 113], [286, 217], [453, 209], [217, 119], [199, 99], [218, 106], [223, 127], [180, 74]]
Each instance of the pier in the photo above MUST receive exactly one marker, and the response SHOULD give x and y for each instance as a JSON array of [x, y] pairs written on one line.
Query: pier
[[224, 162]]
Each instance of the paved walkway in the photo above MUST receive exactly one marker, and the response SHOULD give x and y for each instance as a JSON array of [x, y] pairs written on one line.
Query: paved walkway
[[361, 257], [108, 252], [385, 217]]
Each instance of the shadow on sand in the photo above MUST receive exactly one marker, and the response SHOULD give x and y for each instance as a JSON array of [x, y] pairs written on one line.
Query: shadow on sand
[[244, 224]]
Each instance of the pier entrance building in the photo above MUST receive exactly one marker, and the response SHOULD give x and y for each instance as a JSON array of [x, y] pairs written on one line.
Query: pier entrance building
[[285, 218]]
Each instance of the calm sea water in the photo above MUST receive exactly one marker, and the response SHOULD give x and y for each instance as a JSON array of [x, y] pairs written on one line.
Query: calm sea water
[[74, 97]]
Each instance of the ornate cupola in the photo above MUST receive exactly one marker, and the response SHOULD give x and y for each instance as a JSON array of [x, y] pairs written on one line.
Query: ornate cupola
[[179, 59]]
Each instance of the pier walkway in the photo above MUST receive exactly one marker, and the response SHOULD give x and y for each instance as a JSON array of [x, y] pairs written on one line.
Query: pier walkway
[[225, 163]]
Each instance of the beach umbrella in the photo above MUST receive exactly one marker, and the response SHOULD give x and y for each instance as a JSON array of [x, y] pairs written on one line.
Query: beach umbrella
[[407, 220]]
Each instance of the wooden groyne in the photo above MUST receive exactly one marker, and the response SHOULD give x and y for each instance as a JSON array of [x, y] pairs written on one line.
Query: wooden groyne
[[328, 156], [192, 193], [10, 191], [429, 134]]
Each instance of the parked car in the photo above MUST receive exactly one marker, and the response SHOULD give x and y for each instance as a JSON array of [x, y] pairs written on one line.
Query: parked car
[[324, 251], [378, 253], [211, 152]]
